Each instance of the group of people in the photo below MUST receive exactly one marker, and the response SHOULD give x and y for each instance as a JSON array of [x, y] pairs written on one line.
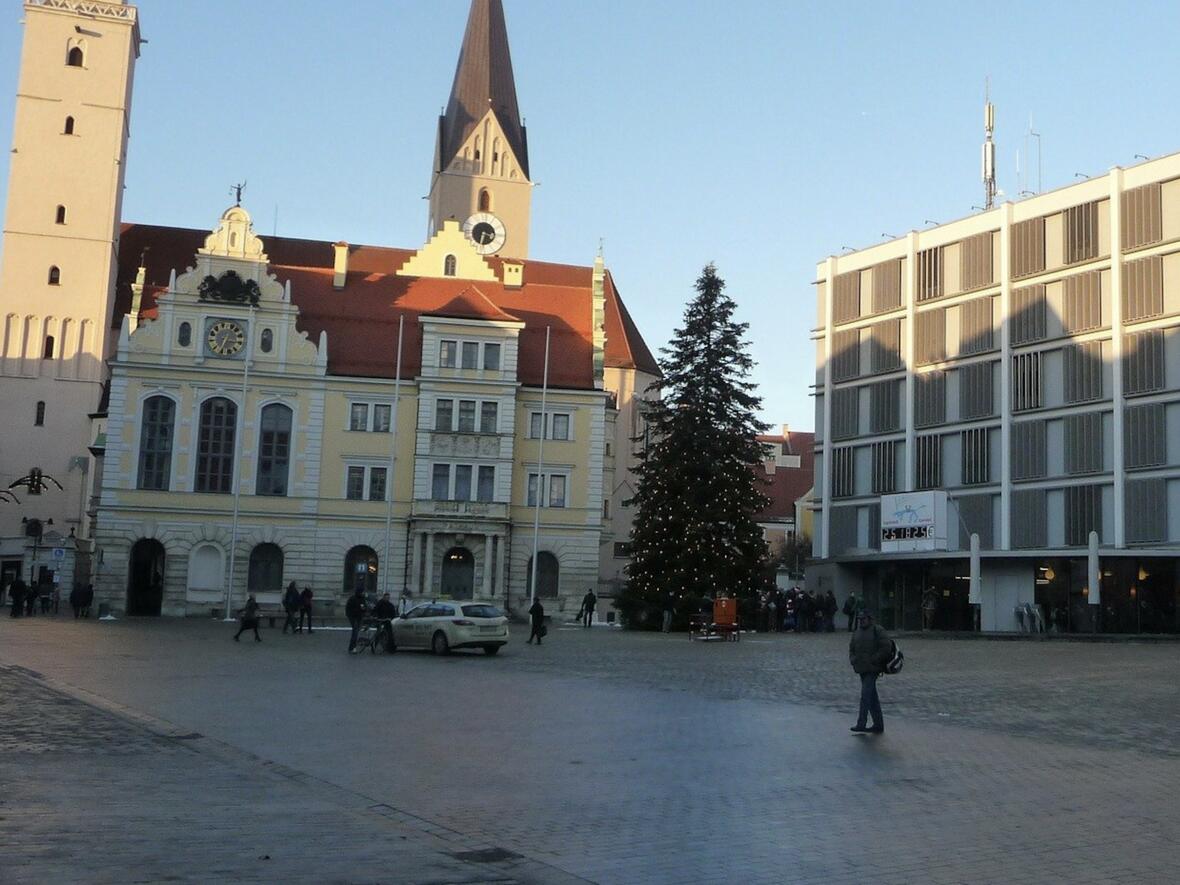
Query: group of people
[[23, 600], [296, 604], [800, 610]]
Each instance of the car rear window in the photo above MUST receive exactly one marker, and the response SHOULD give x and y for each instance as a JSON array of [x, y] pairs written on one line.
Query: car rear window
[[482, 611]]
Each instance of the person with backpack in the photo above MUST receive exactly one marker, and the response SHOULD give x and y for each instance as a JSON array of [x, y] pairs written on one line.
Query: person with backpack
[[291, 606], [869, 652], [249, 616], [305, 599], [589, 601], [355, 610]]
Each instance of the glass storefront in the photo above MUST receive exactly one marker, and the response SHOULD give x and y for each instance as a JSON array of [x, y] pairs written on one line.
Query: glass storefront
[[920, 595], [1138, 596]]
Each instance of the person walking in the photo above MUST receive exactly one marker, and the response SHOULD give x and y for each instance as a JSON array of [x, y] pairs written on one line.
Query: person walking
[[249, 616], [929, 608], [666, 627], [305, 600], [355, 610], [291, 606], [869, 651], [537, 620], [850, 609], [17, 593], [589, 601]]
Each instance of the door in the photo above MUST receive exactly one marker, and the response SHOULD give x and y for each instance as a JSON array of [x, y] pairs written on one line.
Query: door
[[145, 578], [458, 574]]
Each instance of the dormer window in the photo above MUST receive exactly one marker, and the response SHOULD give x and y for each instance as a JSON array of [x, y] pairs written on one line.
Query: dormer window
[[450, 266], [69, 127], [55, 276], [75, 57]]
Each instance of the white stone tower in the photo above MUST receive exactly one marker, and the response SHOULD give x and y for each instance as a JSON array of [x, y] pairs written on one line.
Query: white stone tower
[[58, 259]]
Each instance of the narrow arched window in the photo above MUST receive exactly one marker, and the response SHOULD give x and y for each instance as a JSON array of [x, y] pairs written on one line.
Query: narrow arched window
[[75, 57], [184, 335], [55, 276], [69, 130], [485, 201], [155, 443], [47, 353], [215, 445], [39, 418], [61, 215], [268, 341], [274, 451], [450, 266]]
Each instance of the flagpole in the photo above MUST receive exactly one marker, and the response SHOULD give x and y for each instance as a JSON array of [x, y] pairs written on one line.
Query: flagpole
[[233, 544], [540, 474], [389, 483]]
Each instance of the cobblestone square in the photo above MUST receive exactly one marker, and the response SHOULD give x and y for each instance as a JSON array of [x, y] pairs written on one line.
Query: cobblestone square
[[152, 750]]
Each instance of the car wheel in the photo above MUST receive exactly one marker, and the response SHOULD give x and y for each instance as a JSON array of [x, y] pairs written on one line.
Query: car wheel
[[439, 644], [490, 649]]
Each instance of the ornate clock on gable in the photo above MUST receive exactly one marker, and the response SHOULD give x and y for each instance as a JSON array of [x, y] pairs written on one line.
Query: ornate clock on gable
[[486, 232], [225, 337]]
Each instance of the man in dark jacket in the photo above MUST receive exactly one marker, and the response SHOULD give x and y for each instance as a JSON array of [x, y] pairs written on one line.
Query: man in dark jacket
[[355, 609], [537, 620], [17, 594], [869, 651], [830, 609], [589, 601], [385, 611], [291, 606], [305, 600]]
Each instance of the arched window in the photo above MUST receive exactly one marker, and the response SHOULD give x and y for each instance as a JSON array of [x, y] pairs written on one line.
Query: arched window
[[55, 276], [268, 341], [155, 443], [47, 353], [61, 215], [215, 445], [69, 130], [184, 335], [205, 571], [266, 569], [547, 576], [75, 57], [274, 452], [485, 201], [39, 419], [450, 266], [360, 570]]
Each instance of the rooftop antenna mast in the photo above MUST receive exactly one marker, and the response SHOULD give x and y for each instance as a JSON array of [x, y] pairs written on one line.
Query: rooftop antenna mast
[[989, 150]]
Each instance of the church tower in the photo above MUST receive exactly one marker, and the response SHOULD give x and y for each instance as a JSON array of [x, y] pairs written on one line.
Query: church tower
[[481, 166], [58, 259]]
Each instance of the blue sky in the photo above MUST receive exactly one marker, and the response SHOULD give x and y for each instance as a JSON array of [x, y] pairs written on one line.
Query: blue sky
[[759, 135]]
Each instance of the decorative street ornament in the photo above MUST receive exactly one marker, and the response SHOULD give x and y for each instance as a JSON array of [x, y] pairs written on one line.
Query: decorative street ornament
[[230, 288]]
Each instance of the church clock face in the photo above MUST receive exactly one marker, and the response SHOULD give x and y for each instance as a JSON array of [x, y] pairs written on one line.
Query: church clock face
[[225, 338], [486, 231]]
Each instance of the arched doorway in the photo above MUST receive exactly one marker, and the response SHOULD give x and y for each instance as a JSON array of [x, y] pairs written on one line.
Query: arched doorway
[[547, 576], [360, 570], [458, 573], [266, 569], [145, 578]]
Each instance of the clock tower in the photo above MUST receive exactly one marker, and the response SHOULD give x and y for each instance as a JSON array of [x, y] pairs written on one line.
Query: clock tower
[[481, 165]]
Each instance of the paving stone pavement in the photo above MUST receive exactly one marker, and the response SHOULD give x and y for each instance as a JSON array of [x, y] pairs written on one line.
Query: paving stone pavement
[[615, 758]]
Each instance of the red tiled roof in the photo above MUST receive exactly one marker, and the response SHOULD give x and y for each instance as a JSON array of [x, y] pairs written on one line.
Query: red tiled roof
[[361, 319], [788, 484]]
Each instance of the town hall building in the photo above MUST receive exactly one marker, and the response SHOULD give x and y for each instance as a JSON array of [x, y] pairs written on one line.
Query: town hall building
[[256, 425]]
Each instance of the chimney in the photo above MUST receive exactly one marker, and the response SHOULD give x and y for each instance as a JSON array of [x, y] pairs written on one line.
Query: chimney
[[340, 266], [513, 275]]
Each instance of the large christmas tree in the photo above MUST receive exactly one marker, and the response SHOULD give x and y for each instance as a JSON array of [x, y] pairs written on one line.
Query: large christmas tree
[[695, 533]]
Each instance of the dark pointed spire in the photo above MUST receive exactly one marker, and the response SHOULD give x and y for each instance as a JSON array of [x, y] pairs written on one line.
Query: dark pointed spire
[[483, 79]]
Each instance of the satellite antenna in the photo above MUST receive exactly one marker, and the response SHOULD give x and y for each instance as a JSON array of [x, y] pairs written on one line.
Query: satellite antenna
[[989, 151]]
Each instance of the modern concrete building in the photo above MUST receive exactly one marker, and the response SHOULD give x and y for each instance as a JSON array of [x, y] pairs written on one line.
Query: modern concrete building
[[1025, 361]]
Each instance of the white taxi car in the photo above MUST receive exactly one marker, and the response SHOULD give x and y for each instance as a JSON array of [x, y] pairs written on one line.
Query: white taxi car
[[442, 626]]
